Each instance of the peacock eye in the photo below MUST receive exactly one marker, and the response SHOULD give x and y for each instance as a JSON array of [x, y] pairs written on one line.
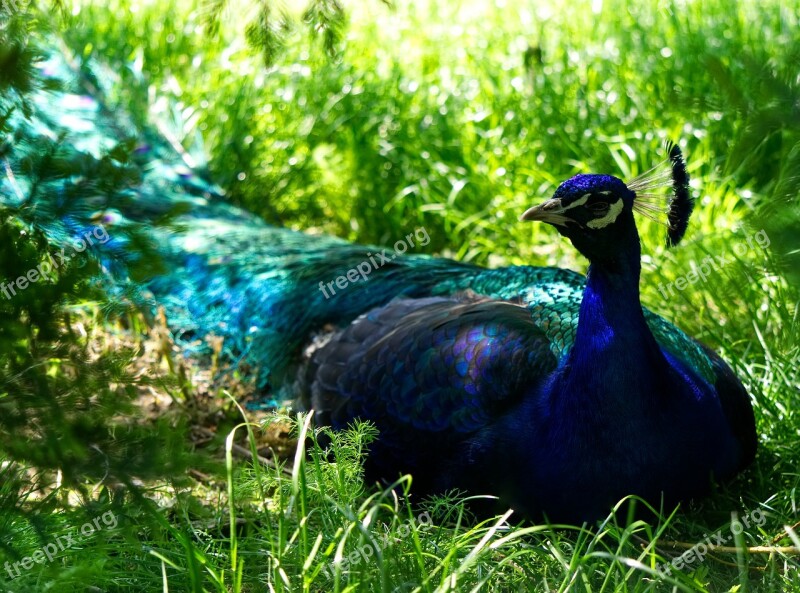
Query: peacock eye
[[598, 207]]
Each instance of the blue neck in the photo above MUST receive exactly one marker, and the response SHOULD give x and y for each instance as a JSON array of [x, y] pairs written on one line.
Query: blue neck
[[614, 354], [610, 308]]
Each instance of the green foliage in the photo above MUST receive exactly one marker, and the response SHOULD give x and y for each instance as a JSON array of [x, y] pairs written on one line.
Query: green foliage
[[17, 58], [458, 128], [61, 400], [269, 26], [318, 528]]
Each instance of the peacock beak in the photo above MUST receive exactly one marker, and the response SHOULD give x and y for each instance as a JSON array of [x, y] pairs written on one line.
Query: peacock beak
[[550, 211]]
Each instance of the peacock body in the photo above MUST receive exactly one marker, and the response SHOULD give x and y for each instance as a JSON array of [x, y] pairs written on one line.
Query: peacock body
[[557, 393]]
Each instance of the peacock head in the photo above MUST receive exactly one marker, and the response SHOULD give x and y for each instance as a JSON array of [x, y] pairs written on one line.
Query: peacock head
[[592, 211], [595, 212]]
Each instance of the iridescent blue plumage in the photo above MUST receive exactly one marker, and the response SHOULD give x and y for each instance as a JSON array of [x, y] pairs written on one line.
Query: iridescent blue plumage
[[501, 394], [558, 393]]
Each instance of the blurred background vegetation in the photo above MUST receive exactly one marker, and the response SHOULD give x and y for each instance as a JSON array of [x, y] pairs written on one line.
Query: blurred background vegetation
[[368, 119], [458, 116]]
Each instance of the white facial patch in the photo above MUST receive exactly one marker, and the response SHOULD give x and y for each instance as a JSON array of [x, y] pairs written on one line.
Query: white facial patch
[[579, 202], [611, 216]]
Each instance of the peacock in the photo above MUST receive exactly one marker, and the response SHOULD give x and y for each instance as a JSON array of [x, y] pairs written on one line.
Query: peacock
[[558, 394]]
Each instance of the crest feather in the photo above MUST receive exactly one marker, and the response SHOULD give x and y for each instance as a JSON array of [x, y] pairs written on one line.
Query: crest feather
[[677, 204]]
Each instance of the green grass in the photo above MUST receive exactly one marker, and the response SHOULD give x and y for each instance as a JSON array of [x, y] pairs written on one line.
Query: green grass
[[442, 114]]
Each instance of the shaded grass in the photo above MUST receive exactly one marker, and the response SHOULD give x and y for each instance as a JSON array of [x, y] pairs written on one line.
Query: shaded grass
[[319, 529]]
